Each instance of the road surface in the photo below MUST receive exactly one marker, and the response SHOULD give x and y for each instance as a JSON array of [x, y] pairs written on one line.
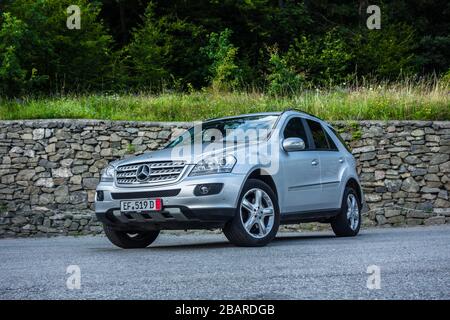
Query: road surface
[[414, 263]]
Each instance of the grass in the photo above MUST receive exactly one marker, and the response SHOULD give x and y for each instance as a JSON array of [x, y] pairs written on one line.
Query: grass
[[401, 101]]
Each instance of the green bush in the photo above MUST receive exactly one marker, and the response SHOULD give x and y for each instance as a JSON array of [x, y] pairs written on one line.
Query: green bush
[[283, 79], [446, 78], [324, 61], [224, 71]]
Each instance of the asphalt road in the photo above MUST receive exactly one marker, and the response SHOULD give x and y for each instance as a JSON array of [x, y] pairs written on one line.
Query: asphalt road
[[414, 264]]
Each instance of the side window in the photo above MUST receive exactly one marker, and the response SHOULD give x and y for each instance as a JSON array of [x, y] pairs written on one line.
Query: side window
[[331, 143], [340, 139], [295, 129], [319, 135]]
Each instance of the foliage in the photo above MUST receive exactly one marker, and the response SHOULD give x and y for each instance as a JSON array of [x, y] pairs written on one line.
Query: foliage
[[131, 149], [386, 54], [45, 49], [446, 78], [417, 99], [433, 53], [163, 53], [130, 46], [224, 72], [283, 79], [13, 78], [324, 61]]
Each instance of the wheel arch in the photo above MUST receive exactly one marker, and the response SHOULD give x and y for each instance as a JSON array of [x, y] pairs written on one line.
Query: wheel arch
[[353, 183], [264, 176]]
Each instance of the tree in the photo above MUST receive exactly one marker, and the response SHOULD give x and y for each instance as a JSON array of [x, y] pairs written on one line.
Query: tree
[[165, 52], [282, 77], [14, 79], [224, 72], [386, 53], [324, 61], [68, 60]]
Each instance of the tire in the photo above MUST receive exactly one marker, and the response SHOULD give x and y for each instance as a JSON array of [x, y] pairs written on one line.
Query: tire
[[130, 240], [348, 222], [264, 226]]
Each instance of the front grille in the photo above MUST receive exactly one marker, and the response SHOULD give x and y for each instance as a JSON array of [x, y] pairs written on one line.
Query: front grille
[[161, 172]]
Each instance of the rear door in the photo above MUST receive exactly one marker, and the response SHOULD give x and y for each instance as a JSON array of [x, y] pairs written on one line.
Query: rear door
[[300, 171], [331, 165]]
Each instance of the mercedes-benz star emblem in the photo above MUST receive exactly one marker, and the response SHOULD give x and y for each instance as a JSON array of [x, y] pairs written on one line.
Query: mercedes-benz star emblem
[[143, 172]]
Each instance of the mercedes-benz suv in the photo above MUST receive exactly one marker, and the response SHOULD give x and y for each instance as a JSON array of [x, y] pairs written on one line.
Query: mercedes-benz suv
[[244, 174]]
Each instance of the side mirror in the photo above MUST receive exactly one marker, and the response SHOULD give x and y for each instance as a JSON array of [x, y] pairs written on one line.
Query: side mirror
[[293, 144]]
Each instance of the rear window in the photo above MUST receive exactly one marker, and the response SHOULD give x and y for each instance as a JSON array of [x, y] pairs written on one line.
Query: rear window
[[340, 139], [319, 135]]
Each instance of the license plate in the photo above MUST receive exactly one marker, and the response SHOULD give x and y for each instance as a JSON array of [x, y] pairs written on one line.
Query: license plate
[[141, 205]]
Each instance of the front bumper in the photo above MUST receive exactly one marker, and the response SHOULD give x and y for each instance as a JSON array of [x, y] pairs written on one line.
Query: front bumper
[[182, 209]]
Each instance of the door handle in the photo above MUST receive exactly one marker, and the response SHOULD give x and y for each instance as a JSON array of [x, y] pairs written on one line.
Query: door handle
[[341, 160], [315, 162]]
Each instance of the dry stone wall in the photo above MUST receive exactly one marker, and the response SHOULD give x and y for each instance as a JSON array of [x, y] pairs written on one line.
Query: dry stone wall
[[49, 170], [404, 167]]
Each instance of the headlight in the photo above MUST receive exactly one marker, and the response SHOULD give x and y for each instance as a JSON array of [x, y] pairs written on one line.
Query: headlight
[[108, 174], [214, 164]]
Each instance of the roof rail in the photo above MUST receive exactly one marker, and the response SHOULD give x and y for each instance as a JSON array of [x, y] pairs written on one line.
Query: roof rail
[[238, 116], [298, 110]]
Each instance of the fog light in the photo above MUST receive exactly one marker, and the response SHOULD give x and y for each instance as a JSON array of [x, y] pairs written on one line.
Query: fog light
[[204, 190], [208, 189]]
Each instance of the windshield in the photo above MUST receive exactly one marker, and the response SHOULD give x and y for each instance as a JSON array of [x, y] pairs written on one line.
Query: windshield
[[242, 129]]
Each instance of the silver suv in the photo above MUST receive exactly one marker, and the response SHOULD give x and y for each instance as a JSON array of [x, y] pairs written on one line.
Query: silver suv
[[246, 175]]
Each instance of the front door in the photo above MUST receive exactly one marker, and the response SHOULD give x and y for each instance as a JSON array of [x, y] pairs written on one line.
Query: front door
[[301, 172]]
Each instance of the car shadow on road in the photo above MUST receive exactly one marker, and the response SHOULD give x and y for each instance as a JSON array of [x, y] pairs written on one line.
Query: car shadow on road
[[170, 247], [280, 240], [292, 239], [199, 245], [303, 236]]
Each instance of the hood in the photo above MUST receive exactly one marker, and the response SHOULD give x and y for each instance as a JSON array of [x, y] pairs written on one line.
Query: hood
[[191, 154]]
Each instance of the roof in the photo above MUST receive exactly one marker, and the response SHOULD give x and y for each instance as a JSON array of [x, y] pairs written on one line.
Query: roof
[[247, 115], [276, 113]]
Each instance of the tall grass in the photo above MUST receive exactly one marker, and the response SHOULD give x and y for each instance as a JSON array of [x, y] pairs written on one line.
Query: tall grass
[[415, 100]]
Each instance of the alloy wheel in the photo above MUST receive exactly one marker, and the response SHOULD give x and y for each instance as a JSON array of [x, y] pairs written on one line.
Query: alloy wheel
[[257, 213], [352, 211]]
